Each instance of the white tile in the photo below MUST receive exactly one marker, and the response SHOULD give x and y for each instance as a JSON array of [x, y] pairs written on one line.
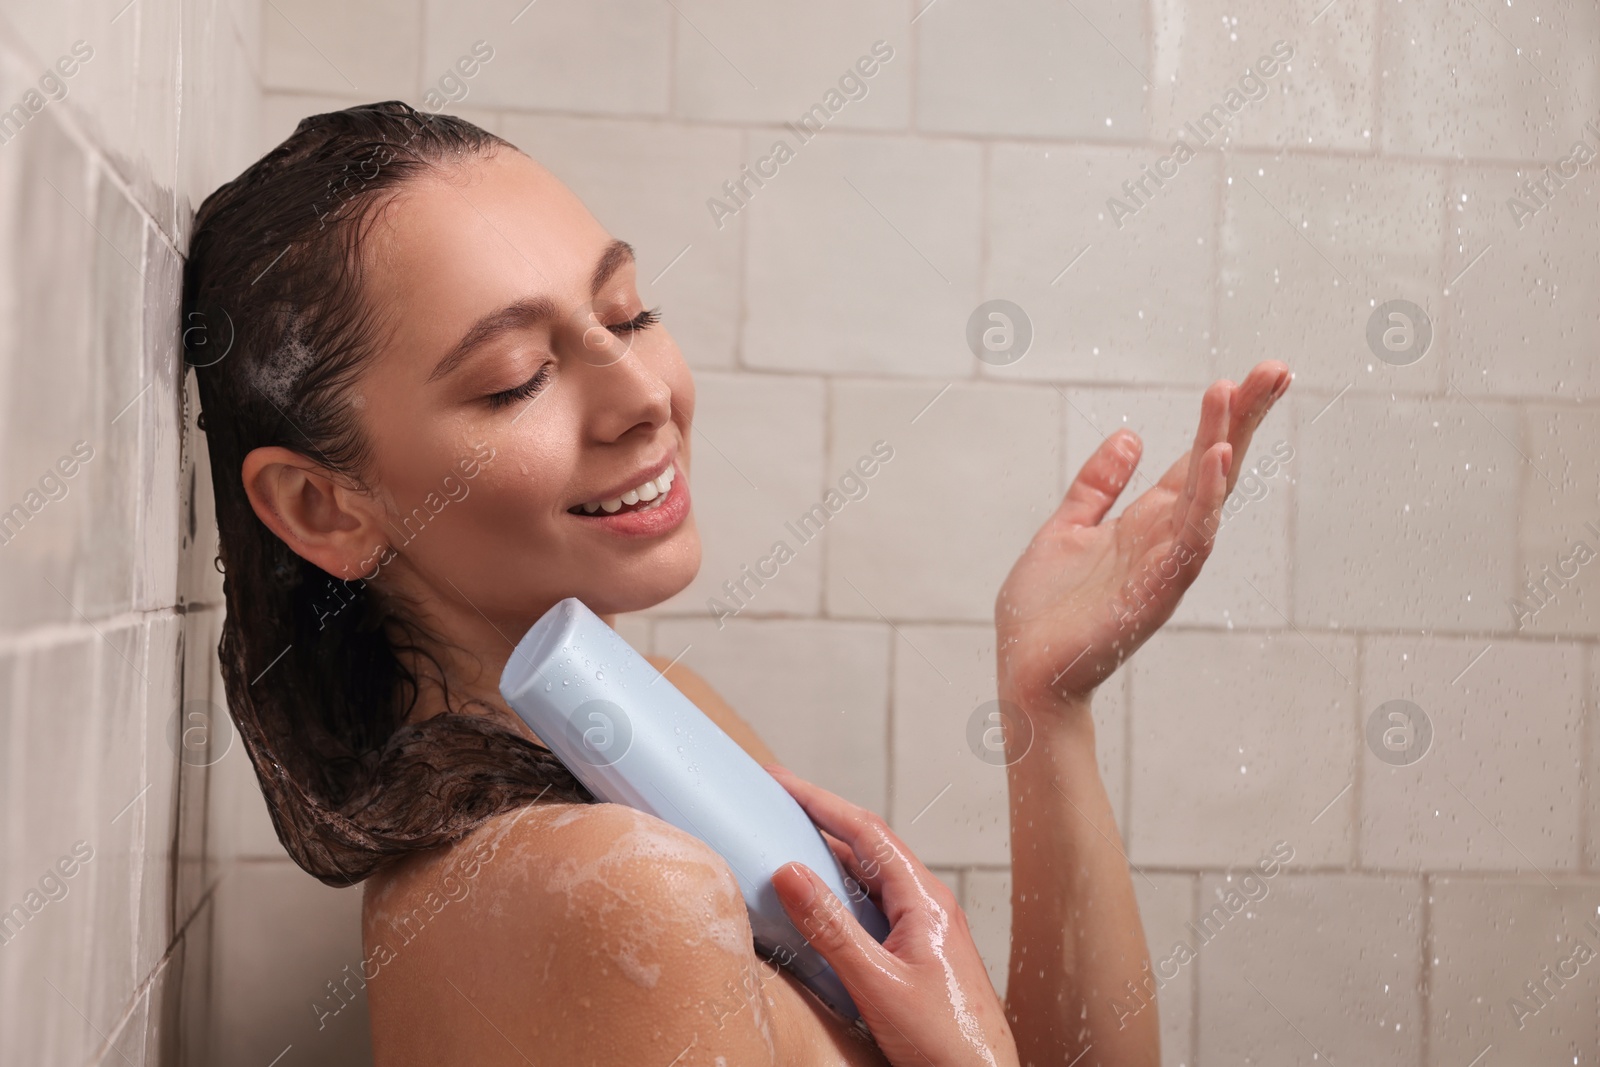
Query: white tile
[[1166, 906], [154, 133], [1422, 533], [281, 936], [1489, 939], [55, 946], [1501, 81], [948, 801], [369, 47], [987, 902], [238, 824], [1321, 96], [45, 190], [104, 97], [1591, 769], [1240, 740], [763, 64], [10, 836], [107, 487], [1246, 579], [1311, 246], [756, 467], [157, 807], [159, 411], [1498, 788], [686, 264], [904, 550], [1015, 67], [116, 753], [816, 691], [1118, 287], [1310, 969], [863, 257], [1559, 534], [538, 63], [1517, 318], [217, 128]]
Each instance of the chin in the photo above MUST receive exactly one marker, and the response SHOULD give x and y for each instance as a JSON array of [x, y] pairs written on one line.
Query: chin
[[662, 576]]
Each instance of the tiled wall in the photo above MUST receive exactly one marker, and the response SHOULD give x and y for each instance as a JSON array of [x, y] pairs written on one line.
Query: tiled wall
[[829, 311], [117, 120]]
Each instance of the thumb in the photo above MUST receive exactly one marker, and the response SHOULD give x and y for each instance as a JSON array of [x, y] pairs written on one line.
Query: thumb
[[829, 927]]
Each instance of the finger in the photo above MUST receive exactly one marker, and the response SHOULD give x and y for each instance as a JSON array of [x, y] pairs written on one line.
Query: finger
[[1182, 476], [828, 926], [1102, 479], [856, 882], [1262, 387], [866, 874], [1200, 524], [883, 859]]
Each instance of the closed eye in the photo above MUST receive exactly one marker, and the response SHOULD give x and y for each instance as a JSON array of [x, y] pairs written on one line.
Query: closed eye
[[642, 321], [521, 392]]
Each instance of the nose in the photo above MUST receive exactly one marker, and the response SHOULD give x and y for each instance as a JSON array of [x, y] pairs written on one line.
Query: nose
[[622, 389]]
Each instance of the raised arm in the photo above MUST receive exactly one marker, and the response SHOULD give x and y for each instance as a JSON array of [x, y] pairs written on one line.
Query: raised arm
[[1082, 597]]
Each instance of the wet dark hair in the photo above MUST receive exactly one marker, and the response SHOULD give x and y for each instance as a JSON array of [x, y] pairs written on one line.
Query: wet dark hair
[[276, 329]]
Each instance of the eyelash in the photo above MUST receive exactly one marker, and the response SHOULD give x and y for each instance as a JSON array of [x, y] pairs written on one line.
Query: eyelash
[[642, 321]]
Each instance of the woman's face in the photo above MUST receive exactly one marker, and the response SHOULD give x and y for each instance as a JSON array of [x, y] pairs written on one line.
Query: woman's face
[[511, 392]]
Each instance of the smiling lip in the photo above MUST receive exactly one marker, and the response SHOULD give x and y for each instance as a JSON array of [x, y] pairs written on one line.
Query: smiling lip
[[658, 520], [648, 474]]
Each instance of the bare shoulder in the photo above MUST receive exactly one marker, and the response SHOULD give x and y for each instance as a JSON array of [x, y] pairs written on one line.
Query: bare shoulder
[[718, 710], [563, 933]]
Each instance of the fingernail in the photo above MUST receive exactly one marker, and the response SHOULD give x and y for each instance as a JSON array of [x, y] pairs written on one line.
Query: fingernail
[[804, 896], [1282, 387]]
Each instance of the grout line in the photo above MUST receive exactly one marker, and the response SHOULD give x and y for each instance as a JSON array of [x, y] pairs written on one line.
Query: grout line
[[1586, 740], [1358, 794], [1011, 380], [742, 312], [888, 741], [1348, 634], [824, 568], [915, 63], [1425, 992], [1276, 152], [1195, 984]]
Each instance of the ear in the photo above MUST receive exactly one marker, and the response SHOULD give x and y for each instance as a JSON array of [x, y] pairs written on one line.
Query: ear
[[317, 515]]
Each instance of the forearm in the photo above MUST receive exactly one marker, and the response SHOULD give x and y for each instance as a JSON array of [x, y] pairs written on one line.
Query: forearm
[[1076, 939]]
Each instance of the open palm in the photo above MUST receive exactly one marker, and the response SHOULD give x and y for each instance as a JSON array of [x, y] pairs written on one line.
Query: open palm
[[1086, 593]]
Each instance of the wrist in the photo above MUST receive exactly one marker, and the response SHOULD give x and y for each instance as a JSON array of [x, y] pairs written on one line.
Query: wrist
[[1046, 721]]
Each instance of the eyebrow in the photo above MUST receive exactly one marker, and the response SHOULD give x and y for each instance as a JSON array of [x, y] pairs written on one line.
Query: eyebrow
[[520, 314]]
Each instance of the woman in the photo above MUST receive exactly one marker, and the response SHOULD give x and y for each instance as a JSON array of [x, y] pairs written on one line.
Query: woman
[[434, 407]]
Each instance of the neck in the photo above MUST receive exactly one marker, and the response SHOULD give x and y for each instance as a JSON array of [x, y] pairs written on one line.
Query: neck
[[473, 662]]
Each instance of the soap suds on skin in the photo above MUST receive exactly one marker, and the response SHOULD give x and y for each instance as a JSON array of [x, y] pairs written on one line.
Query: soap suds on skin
[[627, 932]]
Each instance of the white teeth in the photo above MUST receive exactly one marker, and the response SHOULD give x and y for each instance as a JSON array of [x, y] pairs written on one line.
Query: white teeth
[[650, 490]]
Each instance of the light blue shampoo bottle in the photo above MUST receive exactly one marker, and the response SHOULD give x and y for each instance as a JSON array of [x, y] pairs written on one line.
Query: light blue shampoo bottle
[[632, 738]]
